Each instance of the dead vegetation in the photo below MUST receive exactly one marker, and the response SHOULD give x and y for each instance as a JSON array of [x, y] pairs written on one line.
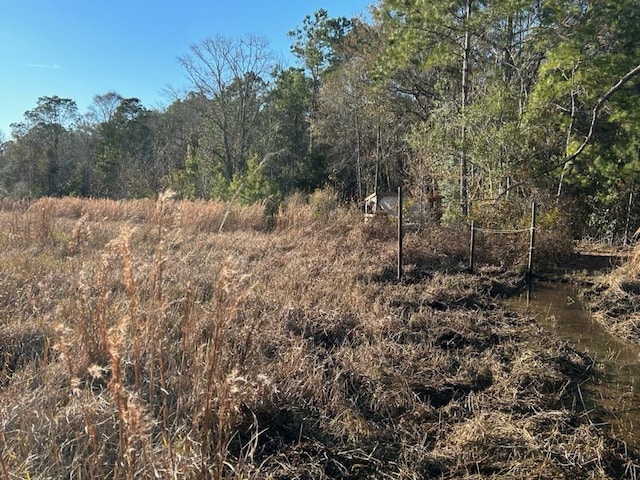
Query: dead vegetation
[[615, 299], [136, 341]]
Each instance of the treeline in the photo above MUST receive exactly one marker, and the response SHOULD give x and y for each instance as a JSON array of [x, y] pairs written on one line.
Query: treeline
[[462, 102]]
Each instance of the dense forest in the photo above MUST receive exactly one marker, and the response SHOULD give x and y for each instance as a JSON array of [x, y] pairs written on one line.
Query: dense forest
[[462, 102]]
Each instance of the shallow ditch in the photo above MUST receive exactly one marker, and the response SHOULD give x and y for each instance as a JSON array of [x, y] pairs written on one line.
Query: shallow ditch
[[611, 396]]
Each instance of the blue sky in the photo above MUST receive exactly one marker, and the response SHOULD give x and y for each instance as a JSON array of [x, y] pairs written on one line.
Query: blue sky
[[80, 48]]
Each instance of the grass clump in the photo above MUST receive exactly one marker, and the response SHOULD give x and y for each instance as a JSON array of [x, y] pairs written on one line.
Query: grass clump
[[154, 345]]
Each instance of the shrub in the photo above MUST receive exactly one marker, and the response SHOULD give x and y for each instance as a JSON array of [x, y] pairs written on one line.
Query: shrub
[[323, 202]]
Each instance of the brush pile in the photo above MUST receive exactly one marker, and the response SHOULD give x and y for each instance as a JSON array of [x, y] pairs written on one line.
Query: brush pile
[[145, 346]]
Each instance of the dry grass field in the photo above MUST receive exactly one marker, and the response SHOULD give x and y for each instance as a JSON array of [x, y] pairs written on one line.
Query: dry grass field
[[141, 340]]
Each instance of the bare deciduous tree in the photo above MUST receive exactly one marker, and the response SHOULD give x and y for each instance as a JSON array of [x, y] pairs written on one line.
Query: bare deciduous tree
[[231, 74]]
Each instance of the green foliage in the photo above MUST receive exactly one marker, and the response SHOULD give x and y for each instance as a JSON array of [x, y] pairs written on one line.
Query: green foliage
[[185, 181], [123, 153], [317, 43], [292, 162], [578, 70], [254, 185], [290, 105], [220, 188], [40, 157]]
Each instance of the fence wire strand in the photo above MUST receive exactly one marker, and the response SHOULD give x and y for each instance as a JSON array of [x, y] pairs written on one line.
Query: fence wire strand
[[490, 230]]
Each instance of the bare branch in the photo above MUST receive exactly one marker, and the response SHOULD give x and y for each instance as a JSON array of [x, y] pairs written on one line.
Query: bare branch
[[596, 110]]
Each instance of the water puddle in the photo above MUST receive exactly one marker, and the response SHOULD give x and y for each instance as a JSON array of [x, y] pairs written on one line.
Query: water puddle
[[613, 396]]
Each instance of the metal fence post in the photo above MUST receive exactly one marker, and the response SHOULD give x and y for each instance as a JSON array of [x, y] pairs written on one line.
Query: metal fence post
[[472, 246], [399, 233], [532, 239]]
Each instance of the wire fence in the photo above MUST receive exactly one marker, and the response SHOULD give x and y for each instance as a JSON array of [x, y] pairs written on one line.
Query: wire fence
[[491, 230], [473, 230], [531, 230]]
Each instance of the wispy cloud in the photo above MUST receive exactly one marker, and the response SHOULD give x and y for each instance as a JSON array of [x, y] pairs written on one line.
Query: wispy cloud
[[48, 67]]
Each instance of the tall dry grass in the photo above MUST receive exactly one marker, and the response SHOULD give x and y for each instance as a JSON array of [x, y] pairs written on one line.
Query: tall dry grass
[[148, 344], [206, 216]]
